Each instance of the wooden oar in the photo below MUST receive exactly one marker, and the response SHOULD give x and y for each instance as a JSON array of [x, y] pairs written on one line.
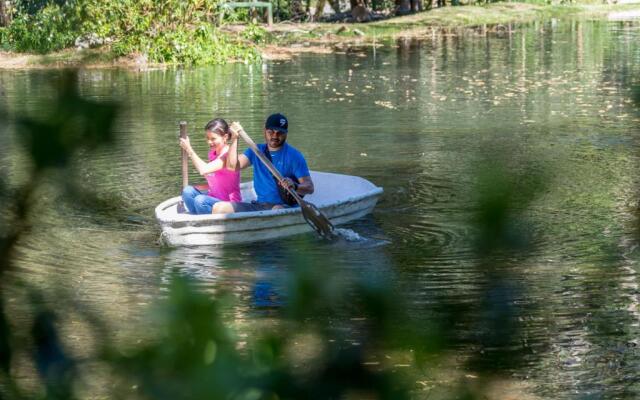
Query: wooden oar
[[185, 157], [314, 217], [185, 164]]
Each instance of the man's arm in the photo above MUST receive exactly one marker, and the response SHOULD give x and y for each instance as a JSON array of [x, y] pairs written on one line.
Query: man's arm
[[235, 161], [303, 188], [232, 154], [301, 172], [243, 161]]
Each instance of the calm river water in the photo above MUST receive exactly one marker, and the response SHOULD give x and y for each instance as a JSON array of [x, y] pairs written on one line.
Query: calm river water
[[552, 102]]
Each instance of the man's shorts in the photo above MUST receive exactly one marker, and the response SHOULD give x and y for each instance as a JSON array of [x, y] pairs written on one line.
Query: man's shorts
[[254, 206]]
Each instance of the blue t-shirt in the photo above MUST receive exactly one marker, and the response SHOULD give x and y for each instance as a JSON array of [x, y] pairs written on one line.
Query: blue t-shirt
[[288, 160]]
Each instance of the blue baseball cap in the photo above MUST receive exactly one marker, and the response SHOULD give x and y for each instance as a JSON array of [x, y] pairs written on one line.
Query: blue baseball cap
[[277, 122]]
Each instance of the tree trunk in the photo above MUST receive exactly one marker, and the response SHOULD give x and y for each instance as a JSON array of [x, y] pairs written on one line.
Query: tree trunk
[[307, 8], [319, 9], [403, 7], [297, 10], [360, 13], [335, 4], [5, 16]]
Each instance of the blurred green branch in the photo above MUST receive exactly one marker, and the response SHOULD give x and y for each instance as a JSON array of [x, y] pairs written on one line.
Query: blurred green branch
[[189, 350], [73, 123]]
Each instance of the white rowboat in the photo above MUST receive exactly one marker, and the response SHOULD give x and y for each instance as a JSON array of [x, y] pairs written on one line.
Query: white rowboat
[[342, 198]]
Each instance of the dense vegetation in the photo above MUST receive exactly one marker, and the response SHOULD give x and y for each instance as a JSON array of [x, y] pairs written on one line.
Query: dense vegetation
[[173, 31], [170, 31]]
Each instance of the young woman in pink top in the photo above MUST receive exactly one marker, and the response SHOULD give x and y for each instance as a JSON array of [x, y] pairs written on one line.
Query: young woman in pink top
[[222, 172]]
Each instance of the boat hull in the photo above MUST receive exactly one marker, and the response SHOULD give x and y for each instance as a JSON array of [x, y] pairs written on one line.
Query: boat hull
[[358, 199]]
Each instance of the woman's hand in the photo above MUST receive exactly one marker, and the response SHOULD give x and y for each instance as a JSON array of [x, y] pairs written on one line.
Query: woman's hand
[[185, 144]]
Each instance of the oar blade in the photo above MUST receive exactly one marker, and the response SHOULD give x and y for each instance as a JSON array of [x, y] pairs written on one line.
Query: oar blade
[[318, 221]]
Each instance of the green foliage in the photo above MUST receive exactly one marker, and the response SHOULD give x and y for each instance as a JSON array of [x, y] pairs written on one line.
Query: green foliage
[[186, 45], [51, 140], [73, 123], [196, 357], [540, 2], [4, 38], [255, 33], [171, 31], [143, 17], [380, 5], [189, 350], [51, 28], [236, 15], [32, 7]]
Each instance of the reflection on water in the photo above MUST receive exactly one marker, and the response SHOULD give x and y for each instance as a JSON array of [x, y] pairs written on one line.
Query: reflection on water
[[416, 117], [262, 273]]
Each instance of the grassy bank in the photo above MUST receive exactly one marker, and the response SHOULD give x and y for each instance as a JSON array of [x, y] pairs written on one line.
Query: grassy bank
[[447, 19], [287, 39]]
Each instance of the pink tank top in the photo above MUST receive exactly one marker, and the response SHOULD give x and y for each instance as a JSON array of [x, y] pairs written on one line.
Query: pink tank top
[[224, 184]]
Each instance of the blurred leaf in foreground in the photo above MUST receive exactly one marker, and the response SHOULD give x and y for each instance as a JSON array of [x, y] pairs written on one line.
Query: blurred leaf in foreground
[[74, 122]]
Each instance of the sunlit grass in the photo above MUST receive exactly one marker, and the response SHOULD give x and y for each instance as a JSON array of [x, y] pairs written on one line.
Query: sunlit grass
[[434, 21]]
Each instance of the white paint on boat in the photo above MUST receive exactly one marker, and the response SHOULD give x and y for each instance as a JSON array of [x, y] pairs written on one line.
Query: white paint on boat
[[342, 198]]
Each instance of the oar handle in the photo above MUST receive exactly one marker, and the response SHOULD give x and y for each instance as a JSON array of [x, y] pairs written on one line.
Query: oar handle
[[235, 126], [185, 160]]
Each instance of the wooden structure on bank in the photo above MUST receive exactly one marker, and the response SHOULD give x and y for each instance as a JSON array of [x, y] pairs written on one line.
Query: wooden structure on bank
[[248, 4]]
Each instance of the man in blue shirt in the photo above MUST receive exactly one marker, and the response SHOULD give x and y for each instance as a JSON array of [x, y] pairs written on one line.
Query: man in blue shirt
[[286, 158]]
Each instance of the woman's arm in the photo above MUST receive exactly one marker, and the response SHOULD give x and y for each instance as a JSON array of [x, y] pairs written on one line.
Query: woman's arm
[[202, 167]]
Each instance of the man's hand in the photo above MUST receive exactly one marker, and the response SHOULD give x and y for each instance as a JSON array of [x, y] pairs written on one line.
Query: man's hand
[[234, 133], [234, 128], [289, 183]]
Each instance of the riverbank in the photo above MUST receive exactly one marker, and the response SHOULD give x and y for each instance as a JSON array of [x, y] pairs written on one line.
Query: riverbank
[[285, 40], [288, 40]]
